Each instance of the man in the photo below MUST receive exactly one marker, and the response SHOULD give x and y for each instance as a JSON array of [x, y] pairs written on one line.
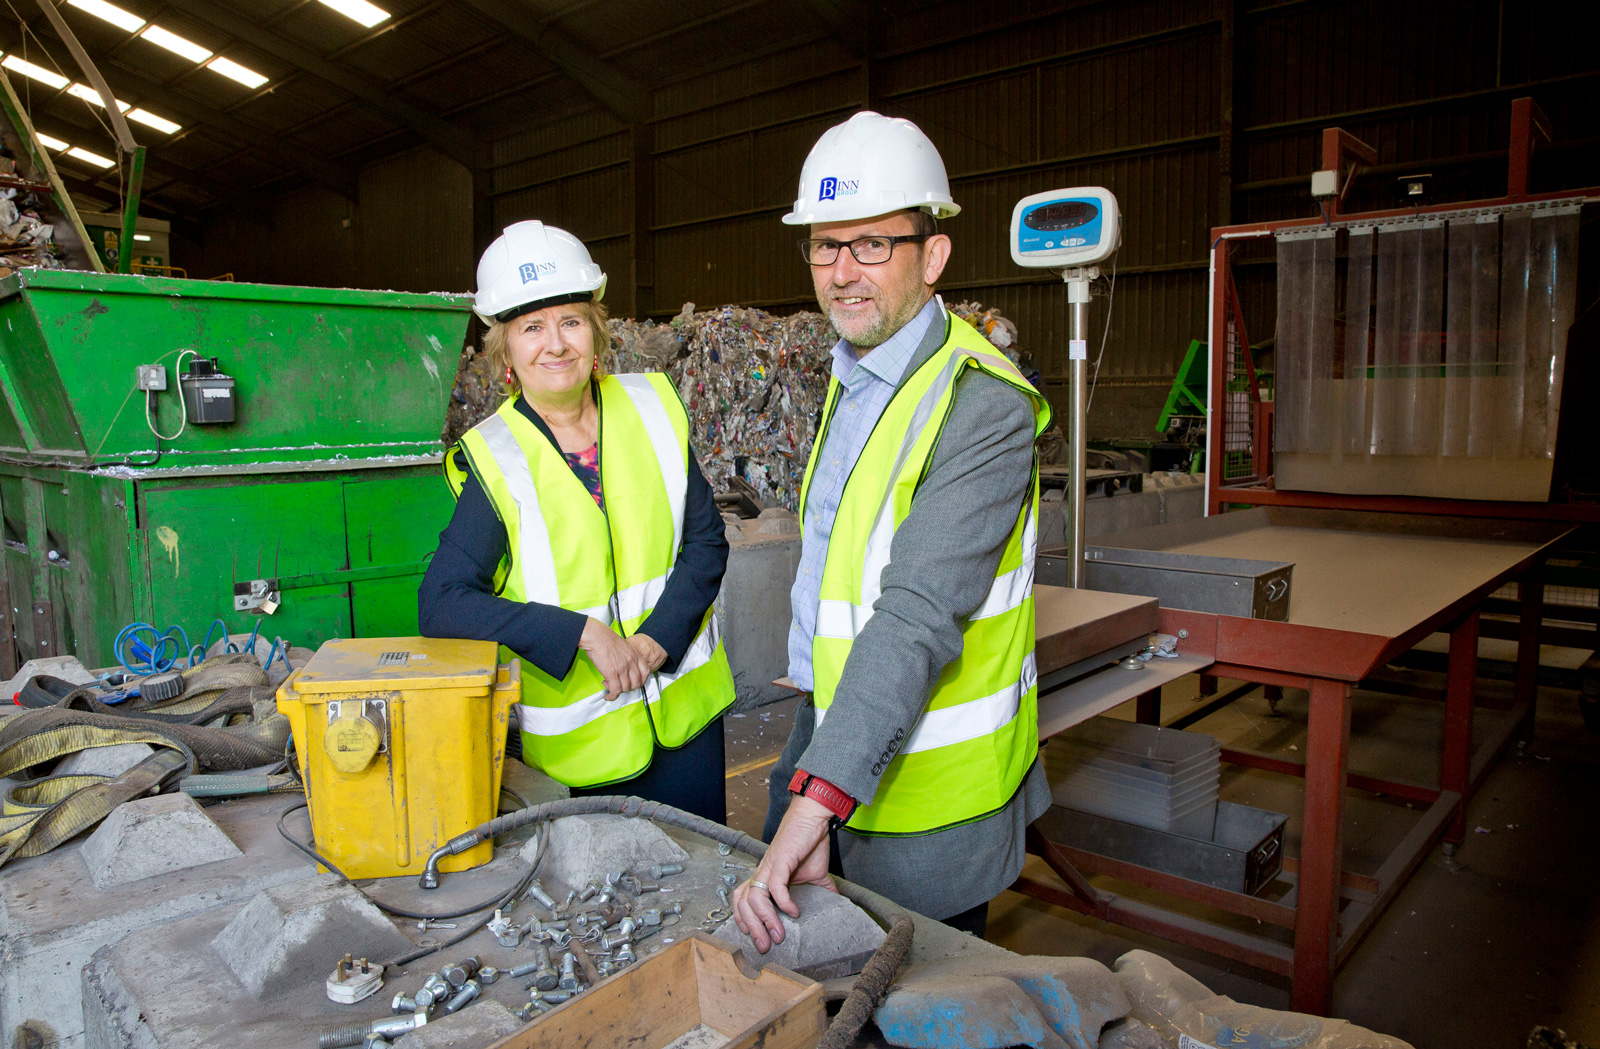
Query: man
[[913, 608]]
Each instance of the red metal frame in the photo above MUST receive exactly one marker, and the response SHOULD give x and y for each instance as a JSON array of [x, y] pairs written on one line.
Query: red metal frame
[[1528, 124], [1329, 909]]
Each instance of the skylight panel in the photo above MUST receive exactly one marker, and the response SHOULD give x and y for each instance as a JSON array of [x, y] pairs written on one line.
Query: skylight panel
[[90, 158], [39, 73], [367, 14], [149, 119], [234, 71], [91, 96], [176, 44], [110, 13], [50, 141]]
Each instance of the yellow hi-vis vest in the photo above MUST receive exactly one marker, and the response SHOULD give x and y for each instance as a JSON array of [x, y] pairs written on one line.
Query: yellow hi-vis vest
[[977, 736], [562, 549]]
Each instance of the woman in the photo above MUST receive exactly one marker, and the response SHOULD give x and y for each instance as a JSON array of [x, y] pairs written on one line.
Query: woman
[[586, 541]]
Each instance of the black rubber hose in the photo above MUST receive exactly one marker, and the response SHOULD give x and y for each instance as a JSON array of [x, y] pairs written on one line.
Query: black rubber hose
[[876, 976]]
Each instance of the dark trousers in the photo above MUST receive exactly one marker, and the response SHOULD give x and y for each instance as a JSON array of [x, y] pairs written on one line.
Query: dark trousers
[[974, 920], [691, 777]]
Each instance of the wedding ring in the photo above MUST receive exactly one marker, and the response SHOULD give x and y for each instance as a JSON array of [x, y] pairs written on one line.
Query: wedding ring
[[758, 884]]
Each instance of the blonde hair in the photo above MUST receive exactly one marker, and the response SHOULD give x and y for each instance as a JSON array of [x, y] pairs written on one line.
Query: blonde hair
[[595, 313]]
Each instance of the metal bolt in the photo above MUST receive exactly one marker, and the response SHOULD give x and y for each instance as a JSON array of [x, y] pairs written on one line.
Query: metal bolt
[[377, 1041], [355, 1034], [676, 908], [610, 942], [536, 890], [625, 955], [734, 867], [488, 974], [544, 977], [722, 894], [428, 923], [627, 926], [588, 891], [569, 972], [561, 937], [665, 870], [647, 886], [434, 990], [724, 849], [469, 991], [462, 971], [523, 970], [730, 880], [402, 1004], [557, 997], [651, 916]]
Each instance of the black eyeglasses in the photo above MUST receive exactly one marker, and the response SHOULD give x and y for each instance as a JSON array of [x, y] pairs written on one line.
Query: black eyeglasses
[[869, 251]]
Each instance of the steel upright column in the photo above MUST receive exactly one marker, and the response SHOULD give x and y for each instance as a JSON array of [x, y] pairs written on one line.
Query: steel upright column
[[1078, 352]]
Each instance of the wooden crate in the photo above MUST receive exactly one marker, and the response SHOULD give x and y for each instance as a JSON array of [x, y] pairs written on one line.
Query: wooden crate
[[695, 983]]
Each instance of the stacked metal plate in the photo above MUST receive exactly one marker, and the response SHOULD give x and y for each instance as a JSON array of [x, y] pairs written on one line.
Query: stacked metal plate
[[1160, 778]]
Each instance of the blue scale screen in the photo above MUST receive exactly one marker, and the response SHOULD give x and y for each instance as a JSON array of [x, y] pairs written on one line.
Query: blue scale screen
[[1060, 225]]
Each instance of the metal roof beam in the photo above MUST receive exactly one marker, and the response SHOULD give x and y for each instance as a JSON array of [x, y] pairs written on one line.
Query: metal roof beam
[[455, 141], [614, 89], [849, 21]]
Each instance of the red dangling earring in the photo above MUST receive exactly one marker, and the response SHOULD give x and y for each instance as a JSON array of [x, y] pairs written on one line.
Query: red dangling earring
[[508, 375]]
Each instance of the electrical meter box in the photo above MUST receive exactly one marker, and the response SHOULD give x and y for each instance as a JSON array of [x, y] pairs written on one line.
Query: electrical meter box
[[207, 393], [401, 744], [1064, 228]]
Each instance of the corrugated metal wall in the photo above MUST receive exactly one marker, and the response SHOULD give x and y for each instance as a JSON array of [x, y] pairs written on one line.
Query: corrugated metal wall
[[1196, 113]]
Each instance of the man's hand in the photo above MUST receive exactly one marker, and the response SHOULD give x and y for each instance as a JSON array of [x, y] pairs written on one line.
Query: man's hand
[[798, 855], [621, 664], [651, 652]]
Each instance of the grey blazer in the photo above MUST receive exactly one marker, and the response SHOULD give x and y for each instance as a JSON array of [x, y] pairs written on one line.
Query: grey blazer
[[942, 563]]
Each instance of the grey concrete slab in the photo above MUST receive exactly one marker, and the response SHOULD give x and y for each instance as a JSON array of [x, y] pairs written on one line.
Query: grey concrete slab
[[103, 761], [832, 937], [289, 931], [578, 849], [147, 837], [53, 919]]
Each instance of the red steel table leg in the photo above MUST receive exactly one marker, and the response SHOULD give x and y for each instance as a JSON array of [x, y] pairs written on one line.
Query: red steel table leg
[[1530, 590], [1455, 764], [1321, 847]]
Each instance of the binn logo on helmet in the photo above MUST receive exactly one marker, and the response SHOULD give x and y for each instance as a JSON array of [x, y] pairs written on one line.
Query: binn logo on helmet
[[833, 188], [830, 189], [531, 270]]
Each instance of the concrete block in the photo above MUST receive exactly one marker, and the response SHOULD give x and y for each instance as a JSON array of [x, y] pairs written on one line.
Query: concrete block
[[52, 922], [480, 1024], [753, 610], [777, 520], [831, 938], [67, 668], [988, 1002], [291, 930], [580, 848], [104, 761], [150, 836]]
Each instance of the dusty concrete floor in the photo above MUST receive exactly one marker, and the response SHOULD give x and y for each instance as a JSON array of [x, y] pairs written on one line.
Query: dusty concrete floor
[[1475, 950]]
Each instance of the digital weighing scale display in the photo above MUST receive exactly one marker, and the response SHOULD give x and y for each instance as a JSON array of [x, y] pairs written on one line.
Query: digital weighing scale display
[[1070, 227]]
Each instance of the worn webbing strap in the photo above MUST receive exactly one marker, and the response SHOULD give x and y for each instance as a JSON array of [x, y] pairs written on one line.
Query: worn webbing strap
[[37, 833]]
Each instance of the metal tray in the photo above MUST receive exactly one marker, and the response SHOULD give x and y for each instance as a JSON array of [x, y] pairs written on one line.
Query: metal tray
[[1230, 586], [1244, 854]]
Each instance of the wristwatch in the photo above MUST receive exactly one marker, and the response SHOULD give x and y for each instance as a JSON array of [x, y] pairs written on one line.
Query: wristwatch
[[819, 790]]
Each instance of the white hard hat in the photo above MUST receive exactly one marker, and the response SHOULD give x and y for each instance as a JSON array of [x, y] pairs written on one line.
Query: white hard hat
[[871, 165], [531, 266]]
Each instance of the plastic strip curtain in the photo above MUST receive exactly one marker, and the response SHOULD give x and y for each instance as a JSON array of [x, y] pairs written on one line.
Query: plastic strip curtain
[[1306, 264], [1453, 339]]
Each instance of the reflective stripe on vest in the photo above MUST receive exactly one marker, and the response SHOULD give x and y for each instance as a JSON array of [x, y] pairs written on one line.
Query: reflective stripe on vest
[[563, 550], [976, 738]]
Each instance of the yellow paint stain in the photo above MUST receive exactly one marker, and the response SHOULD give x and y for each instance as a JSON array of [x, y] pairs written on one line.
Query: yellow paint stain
[[169, 543]]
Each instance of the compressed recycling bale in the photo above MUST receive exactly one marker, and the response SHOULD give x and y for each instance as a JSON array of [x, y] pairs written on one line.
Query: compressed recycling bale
[[753, 383]]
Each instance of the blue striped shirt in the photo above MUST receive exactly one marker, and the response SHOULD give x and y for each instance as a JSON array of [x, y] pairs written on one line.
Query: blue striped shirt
[[868, 385]]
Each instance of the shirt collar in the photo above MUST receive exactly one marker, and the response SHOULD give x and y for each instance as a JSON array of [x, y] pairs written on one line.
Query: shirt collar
[[887, 361]]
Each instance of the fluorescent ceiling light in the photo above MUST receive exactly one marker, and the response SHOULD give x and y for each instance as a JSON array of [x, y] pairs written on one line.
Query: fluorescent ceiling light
[[175, 43], [111, 13], [50, 141], [141, 236], [39, 73], [234, 71], [90, 158], [149, 119], [91, 96], [367, 14]]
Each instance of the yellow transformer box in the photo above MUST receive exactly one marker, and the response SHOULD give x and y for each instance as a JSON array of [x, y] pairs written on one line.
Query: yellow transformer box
[[401, 745]]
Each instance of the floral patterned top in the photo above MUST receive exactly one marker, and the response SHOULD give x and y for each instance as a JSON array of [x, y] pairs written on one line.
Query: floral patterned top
[[586, 468]]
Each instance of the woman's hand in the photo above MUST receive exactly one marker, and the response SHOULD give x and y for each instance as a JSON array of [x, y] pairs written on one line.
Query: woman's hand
[[623, 665], [652, 653]]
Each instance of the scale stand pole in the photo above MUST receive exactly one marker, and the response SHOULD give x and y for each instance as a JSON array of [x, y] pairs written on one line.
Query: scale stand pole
[[1078, 352]]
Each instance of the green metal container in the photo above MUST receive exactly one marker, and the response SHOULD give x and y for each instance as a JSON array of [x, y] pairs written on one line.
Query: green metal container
[[325, 489]]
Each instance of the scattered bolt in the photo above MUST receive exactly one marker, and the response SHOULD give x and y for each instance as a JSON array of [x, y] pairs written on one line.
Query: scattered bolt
[[544, 977], [488, 974], [734, 867], [676, 908], [557, 997], [651, 916], [724, 849], [625, 955], [524, 970], [355, 1034], [730, 880], [647, 886], [536, 890], [665, 870], [434, 990], [459, 973], [468, 992], [588, 891], [402, 1004], [428, 923], [377, 1041], [569, 972], [561, 937], [722, 894]]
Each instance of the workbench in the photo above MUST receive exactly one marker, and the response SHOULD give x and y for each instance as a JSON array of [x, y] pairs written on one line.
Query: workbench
[[1366, 588]]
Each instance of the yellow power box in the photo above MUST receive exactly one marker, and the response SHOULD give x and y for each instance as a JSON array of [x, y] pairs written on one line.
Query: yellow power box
[[401, 742]]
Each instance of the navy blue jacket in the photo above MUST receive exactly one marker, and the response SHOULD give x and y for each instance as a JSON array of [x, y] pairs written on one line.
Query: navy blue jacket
[[457, 597]]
